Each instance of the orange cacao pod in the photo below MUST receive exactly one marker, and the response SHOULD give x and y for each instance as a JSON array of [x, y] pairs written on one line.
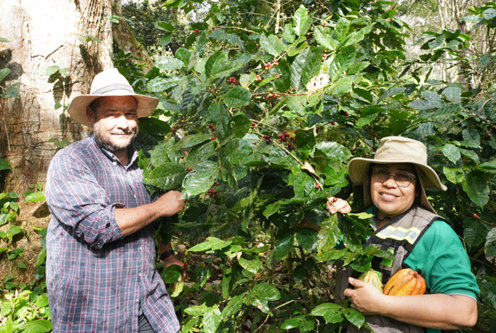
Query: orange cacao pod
[[404, 283]]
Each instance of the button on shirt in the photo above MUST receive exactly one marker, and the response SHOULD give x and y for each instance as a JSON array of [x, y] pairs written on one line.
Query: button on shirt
[[97, 279]]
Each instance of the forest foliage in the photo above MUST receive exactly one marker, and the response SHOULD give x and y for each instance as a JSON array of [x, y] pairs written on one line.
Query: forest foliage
[[261, 107]]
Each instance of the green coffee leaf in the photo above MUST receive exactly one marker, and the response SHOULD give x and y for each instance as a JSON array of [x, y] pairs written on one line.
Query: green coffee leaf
[[489, 167], [251, 265], [341, 62], [266, 292], [328, 235], [219, 65], [453, 94], [284, 246], [233, 306], [201, 178], [451, 152], [41, 257], [218, 115], [240, 125], [307, 238], [191, 140], [490, 245], [297, 68], [168, 63], [167, 176], [301, 21], [236, 97], [36, 197], [354, 317], [211, 320], [4, 164], [454, 175], [4, 73], [474, 232], [476, 187], [166, 39], [324, 38], [342, 28], [160, 84], [272, 45], [340, 87], [332, 313], [164, 26], [52, 70], [471, 138], [432, 101], [36, 326]]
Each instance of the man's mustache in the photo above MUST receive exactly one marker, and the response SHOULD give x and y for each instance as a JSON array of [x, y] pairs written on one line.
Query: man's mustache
[[128, 131]]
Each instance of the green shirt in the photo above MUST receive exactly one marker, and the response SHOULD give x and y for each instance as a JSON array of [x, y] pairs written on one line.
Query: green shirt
[[441, 258]]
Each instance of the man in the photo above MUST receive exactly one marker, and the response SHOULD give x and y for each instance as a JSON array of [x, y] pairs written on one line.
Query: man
[[101, 274]]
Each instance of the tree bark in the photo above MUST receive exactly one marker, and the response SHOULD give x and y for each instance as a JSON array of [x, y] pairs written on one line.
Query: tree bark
[[72, 34], [75, 35]]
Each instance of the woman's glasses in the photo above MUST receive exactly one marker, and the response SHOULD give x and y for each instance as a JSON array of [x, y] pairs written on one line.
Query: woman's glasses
[[402, 178]]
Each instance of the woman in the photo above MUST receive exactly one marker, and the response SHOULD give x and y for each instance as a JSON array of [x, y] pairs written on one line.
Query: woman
[[406, 224]]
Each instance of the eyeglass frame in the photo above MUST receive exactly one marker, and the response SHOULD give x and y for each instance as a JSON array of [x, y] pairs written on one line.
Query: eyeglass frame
[[373, 167]]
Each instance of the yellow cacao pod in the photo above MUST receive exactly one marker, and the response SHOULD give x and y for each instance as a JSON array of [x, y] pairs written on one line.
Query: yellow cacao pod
[[373, 278], [404, 283]]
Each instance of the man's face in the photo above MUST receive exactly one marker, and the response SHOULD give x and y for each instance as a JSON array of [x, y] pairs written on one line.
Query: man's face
[[116, 123]]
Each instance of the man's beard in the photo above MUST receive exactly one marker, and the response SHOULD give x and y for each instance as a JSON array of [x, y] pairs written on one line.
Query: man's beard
[[110, 146]]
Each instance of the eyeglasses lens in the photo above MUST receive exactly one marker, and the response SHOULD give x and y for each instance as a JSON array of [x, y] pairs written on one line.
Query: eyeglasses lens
[[402, 178]]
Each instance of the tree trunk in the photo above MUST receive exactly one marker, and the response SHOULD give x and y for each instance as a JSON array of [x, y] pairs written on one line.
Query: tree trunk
[[74, 35]]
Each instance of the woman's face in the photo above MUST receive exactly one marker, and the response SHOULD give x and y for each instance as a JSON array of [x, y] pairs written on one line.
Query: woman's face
[[389, 198]]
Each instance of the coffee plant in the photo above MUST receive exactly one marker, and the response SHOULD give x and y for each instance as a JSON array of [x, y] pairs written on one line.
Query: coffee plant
[[264, 107]]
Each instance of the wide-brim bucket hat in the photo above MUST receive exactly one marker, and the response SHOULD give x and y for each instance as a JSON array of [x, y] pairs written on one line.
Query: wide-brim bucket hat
[[397, 149], [110, 83]]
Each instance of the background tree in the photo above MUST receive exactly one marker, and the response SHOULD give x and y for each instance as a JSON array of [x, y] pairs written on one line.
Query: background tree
[[52, 54]]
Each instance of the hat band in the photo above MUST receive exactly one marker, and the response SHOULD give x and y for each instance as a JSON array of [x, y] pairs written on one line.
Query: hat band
[[112, 87]]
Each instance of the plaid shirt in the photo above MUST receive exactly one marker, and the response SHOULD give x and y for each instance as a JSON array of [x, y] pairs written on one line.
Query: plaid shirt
[[97, 279]]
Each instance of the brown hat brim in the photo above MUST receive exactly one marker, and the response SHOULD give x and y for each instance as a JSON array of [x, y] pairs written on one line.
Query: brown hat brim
[[358, 172]]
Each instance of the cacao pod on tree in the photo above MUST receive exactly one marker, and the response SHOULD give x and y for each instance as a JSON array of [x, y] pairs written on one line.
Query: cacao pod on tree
[[373, 278], [405, 282]]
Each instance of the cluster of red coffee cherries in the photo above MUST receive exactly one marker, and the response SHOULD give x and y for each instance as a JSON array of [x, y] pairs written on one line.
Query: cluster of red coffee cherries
[[232, 79], [212, 193], [274, 96], [285, 136], [269, 64]]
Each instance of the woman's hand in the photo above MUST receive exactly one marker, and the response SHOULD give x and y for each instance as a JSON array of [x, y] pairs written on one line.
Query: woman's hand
[[335, 205], [365, 297]]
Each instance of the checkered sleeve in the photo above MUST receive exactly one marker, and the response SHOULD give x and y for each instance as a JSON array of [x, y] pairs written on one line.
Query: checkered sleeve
[[79, 202]]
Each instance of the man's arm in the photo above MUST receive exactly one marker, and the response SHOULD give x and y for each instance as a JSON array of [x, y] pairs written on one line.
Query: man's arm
[[446, 312], [131, 220]]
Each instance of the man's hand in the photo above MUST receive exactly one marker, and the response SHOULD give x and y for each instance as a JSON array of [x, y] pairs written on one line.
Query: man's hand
[[131, 220], [171, 203], [365, 297], [172, 260]]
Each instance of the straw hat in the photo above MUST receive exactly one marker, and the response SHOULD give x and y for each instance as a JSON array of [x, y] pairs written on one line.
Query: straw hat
[[396, 149], [110, 83]]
